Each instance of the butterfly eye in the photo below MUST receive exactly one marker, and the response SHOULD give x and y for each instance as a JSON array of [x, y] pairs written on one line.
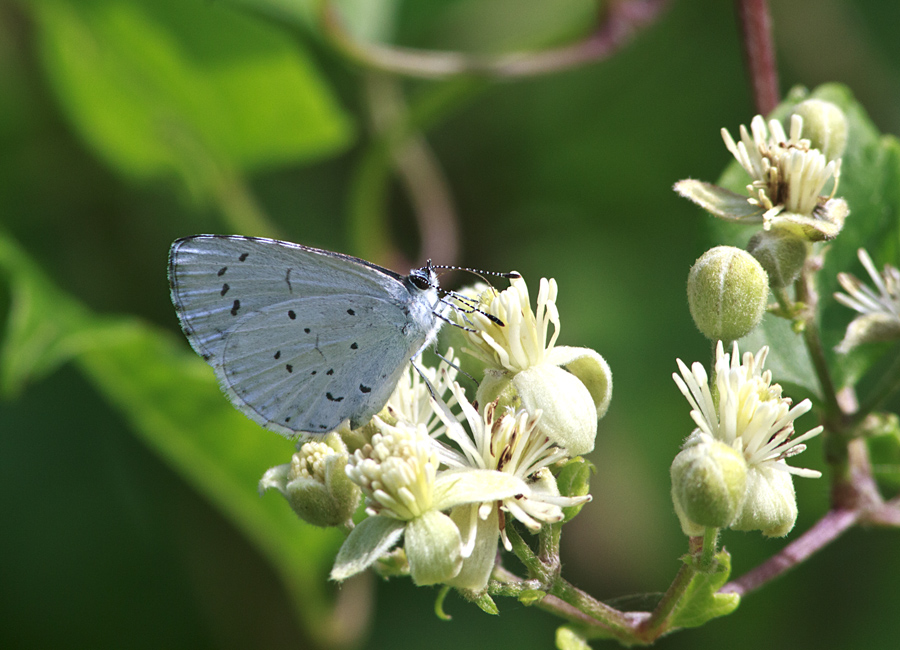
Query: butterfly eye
[[420, 279]]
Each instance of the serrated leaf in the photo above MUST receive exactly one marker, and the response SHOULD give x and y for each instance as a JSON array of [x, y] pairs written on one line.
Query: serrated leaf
[[701, 601]]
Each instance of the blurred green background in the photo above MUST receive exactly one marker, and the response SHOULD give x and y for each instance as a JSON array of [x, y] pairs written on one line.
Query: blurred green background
[[128, 486]]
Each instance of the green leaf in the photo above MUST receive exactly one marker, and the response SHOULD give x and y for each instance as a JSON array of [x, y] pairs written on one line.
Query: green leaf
[[701, 601], [373, 537], [882, 432], [172, 401], [186, 86], [788, 358], [43, 329]]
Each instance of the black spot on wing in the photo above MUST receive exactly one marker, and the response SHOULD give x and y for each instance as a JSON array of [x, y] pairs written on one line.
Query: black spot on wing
[[365, 389], [330, 371], [278, 354], [354, 346], [351, 312], [306, 330], [289, 367], [243, 257], [222, 271], [292, 314], [235, 307], [332, 398], [225, 288]]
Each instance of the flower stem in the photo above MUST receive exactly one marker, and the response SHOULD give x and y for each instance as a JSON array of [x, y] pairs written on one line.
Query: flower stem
[[826, 530]]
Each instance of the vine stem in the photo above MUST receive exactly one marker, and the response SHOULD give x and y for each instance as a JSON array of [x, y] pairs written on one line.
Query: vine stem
[[825, 531], [622, 20], [759, 52]]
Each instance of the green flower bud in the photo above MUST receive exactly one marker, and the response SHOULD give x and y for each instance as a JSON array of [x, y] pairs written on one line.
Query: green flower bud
[[824, 125], [780, 253], [315, 483], [709, 482], [574, 480], [727, 291]]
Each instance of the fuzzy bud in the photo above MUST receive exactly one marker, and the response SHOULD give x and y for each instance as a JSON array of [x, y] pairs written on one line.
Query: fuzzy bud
[[780, 253], [709, 481], [824, 125], [727, 291], [315, 483]]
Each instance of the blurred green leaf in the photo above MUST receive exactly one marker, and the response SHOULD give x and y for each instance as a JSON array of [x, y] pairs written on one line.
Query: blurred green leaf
[[883, 440], [43, 328], [186, 86], [702, 602], [172, 400]]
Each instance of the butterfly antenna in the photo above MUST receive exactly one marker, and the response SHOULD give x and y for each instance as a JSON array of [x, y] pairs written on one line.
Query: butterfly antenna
[[509, 275]]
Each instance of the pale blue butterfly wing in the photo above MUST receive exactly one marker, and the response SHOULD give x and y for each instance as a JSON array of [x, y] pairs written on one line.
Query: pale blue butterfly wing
[[300, 339]]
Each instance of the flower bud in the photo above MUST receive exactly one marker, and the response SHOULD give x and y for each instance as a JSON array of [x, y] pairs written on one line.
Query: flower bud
[[727, 291], [709, 481], [824, 125], [315, 483], [574, 480], [780, 253], [771, 505]]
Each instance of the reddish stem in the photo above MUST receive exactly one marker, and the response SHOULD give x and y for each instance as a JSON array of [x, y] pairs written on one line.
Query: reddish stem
[[759, 52]]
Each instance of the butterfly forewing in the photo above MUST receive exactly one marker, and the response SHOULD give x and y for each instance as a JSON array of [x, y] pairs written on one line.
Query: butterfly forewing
[[300, 339]]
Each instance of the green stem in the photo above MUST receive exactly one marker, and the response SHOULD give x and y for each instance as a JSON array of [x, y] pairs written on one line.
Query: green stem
[[658, 621], [536, 568], [708, 554]]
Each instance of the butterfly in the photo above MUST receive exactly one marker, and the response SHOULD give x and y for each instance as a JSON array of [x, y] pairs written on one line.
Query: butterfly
[[301, 339]]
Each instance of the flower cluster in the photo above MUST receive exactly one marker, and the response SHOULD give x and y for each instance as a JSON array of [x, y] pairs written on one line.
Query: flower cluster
[[732, 471], [442, 477]]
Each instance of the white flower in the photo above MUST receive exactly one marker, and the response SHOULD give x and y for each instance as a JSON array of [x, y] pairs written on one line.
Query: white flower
[[787, 174], [752, 417], [787, 179], [405, 496], [509, 443], [880, 319], [571, 386]]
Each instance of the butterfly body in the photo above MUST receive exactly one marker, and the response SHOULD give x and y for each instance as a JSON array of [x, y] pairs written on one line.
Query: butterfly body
[[300, 338]]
